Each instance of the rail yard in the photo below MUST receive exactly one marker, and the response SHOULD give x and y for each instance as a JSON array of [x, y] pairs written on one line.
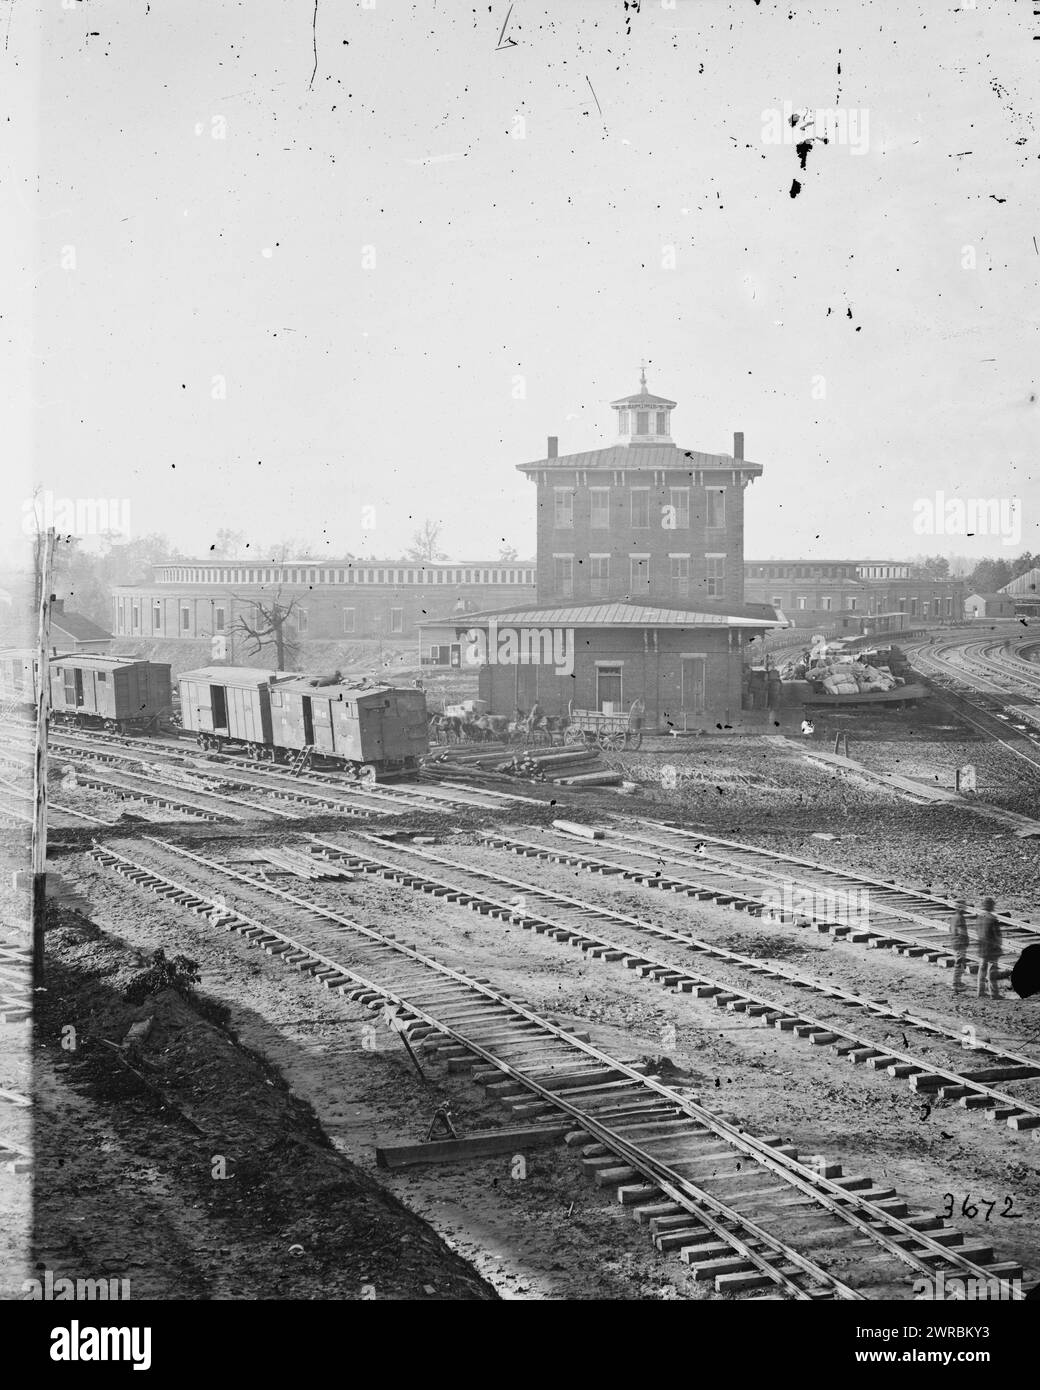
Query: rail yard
[[691, 1036]]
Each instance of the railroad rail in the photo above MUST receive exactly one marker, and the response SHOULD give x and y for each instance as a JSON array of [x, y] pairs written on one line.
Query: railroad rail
[[682, 1165], [575, 922]]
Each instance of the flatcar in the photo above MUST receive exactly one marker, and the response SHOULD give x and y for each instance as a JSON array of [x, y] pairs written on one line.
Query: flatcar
[[367, 728]]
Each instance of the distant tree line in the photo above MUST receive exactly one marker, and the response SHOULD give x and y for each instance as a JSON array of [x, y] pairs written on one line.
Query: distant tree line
[[986, 577]]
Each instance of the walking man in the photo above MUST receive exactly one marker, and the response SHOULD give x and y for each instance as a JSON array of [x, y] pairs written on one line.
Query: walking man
[[959, 945], [991, 945]]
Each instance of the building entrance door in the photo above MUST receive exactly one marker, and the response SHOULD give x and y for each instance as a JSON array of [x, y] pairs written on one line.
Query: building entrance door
[[694, 684]]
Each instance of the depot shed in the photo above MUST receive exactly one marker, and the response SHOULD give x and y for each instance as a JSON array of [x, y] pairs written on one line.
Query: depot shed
[[681, 662]]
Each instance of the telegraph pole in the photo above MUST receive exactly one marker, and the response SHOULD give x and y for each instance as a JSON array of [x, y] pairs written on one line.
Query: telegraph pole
[[39, 828]]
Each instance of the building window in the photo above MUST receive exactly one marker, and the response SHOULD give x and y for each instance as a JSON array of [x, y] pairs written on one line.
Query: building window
[[642, 422], [622, 422], [396, 619], [599, 575], [218, 620], [680, 568], [777, 601], [716, 514], [679, 501], [135, 612], [348, 619], [638, 574], [828, 603], [949, 607], [301, 621], [716, 576], [599, 508], [662, 422], [185, 617], [913, 608], [563, 575], [852, 604], [802, 602], [640, 508], [156, 615]]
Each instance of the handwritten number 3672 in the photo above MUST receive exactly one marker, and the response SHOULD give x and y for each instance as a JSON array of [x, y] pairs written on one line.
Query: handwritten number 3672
[[971, 1210]]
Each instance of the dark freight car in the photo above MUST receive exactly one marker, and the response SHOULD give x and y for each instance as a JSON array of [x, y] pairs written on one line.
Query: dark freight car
[[366, 728], [115, 692]]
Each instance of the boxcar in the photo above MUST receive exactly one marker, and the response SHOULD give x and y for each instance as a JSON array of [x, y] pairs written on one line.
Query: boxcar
[[364, 727], [114, 692], [17, 678], [228, 704]]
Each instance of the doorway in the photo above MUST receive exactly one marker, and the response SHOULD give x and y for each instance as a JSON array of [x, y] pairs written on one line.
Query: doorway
[[608, 687], [694, 684], [218, 704], [308, 722]]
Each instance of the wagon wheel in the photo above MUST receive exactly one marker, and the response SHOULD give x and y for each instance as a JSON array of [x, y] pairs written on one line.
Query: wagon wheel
[[634, 738], [572, 734], [613, 742]]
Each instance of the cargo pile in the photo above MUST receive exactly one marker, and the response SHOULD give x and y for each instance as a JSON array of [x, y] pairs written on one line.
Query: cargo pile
[[852, 678]]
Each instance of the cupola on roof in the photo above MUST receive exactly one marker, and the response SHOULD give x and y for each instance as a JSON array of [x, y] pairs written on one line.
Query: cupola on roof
[[643, 418]]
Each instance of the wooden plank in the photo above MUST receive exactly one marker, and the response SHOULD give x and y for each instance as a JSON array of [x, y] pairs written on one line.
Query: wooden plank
[[478, 1145]]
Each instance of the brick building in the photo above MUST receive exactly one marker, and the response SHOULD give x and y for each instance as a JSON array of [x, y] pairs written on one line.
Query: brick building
[[640, 581], [642, 519], [850, 594], [347, 599]]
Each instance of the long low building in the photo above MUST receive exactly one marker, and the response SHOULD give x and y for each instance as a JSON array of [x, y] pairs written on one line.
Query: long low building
[[681, 663], [850, 595], [359, 598]]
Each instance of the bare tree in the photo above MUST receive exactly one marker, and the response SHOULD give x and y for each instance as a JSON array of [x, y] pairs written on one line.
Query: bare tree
[[269, 626], [426, 543]]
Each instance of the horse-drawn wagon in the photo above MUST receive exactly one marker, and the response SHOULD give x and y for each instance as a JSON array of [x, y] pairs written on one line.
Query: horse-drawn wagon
[[605, 729]]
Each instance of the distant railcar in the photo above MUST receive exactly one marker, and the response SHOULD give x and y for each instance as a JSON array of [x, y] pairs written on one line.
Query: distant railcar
[[17, 678], [367, 728], [110, 692]]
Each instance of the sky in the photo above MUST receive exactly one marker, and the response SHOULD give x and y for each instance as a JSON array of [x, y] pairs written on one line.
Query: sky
[[320, 274]]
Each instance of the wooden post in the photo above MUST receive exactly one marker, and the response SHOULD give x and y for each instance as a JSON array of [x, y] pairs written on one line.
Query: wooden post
[[39, 828]]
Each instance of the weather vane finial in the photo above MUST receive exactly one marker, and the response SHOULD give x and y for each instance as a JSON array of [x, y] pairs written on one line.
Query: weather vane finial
[[642, 375]]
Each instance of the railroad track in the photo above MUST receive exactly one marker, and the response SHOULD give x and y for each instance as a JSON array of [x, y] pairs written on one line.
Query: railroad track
[[703, 1186], [325, 791], [675, 960], [906, 919]]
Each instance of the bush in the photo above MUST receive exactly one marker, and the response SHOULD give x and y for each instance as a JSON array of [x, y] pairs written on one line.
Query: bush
[[180, 974]]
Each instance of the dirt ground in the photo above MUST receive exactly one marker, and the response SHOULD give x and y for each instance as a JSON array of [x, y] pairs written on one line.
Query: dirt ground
[[294, 1089]]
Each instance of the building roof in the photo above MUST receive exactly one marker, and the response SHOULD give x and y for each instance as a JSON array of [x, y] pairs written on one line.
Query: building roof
[[79, 628], [1024, 586], [622, 613], [631, 457], [95, 661], [990, 598], [315, 685], [644, 398]]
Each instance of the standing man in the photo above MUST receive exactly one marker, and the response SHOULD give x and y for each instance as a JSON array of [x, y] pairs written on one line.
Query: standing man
[[991, 945], [959, 945]]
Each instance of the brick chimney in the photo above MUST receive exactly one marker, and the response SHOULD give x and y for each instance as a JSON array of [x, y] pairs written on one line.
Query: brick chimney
[[738, 444], [554, 446]]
